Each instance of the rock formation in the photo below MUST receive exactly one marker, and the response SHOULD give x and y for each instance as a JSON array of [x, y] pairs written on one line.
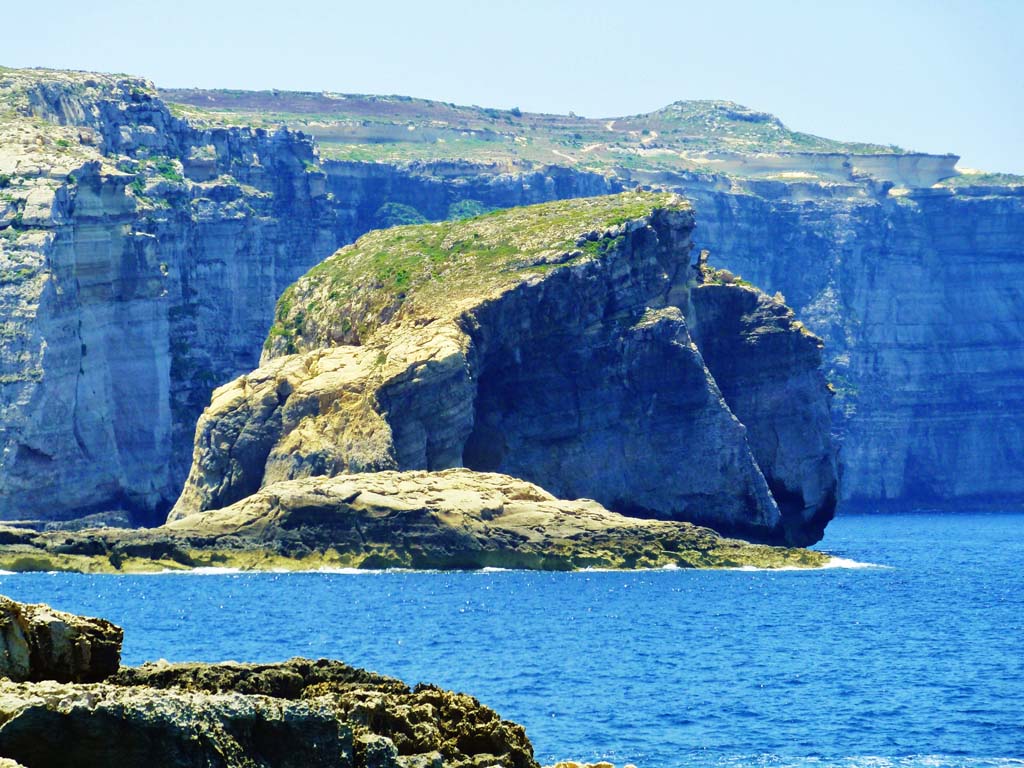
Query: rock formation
[[764, 371], [548, 343], [916, 295], [295, 714], [38, 643], [140, 259], [141, 254]]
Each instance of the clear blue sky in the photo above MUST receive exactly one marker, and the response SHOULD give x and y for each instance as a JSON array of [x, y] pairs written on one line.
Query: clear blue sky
[[937, 76]]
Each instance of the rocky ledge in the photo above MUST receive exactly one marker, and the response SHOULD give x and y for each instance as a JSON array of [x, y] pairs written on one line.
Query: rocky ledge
[[296, 713], [453, 518], [561, 344]]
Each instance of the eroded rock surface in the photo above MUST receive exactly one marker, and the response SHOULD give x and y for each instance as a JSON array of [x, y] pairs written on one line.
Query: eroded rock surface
[[392, 724], [141, 255], [298, 713], [50, 725], [39, 643], [454, 518], [295, 714], [765, 364], [916, 294]]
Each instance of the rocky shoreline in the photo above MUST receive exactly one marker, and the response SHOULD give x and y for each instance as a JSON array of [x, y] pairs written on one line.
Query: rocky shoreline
[[297, 713], [454, 519]]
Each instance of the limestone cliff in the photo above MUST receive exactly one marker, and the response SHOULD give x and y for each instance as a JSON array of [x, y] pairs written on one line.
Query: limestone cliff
[[141, 255], [140, 260], [917, 296], [549, 343]]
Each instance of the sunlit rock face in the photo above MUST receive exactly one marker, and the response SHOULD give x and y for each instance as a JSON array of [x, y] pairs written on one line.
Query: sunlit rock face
[[141, 256]]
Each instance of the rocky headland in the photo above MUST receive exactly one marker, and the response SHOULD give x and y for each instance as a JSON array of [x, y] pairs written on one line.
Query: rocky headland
[[141, 256], [433, 395], [59, 709]]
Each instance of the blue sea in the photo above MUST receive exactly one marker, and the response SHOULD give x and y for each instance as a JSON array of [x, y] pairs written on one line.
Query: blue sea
[[914, 660]]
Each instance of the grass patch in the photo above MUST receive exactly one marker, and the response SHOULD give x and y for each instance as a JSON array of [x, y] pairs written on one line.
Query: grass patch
[[168, 169], [983, 180], [429, 270]]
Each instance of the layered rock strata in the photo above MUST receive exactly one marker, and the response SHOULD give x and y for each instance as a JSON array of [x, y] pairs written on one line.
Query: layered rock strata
[[550, 343], [916, 293], [140, 260], [141, 255]]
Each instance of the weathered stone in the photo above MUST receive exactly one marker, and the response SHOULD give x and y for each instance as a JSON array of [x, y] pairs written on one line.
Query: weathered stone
[[454, 518], [140, 293], [52, 725], [765, 365], [140, 261], [39, 643], [285, 680], [914, 295], [393, 725]]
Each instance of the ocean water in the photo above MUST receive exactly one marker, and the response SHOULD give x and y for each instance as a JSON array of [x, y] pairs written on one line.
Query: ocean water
[[916, 660]]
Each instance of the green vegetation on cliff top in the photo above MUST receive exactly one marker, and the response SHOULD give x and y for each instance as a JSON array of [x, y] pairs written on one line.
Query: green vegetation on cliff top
[[401, 129], [427, 270]]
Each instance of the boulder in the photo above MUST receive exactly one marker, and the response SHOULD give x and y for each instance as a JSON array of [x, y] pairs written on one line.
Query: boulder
[[39, 643]]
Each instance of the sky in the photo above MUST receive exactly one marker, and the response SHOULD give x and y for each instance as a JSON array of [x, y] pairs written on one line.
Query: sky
[[937, 76]]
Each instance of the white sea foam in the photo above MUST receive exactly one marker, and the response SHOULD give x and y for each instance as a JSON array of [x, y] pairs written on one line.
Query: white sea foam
[[205, 570], [832, 562], [845, 562]]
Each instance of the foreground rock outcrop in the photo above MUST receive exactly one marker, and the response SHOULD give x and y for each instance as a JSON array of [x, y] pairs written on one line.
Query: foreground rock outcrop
[[550, 343], [187, 715], [39, 643], [449, 519], [296, 714]]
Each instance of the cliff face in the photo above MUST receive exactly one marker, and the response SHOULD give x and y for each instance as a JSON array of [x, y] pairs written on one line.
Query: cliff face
[[141, 256], [138, 253], [765, 363], [917, 297], [140, 259], [548, 343]]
